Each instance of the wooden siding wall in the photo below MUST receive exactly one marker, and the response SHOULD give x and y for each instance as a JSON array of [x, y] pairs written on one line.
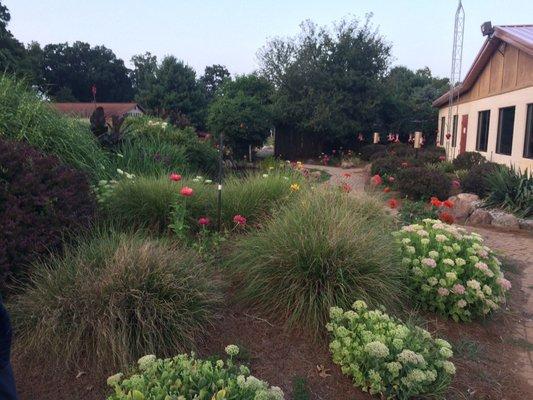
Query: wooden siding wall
[[508, 69]]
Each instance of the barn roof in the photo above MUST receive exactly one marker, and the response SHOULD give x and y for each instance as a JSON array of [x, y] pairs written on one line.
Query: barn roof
[[84, 110], [520, 36]]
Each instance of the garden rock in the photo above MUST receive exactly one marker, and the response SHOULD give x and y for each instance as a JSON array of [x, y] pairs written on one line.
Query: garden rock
[[464, 204], [526, 224], [480, 217], [505, 220]]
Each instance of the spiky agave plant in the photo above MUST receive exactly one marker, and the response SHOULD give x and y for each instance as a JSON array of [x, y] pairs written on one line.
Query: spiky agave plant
[[510, 189]]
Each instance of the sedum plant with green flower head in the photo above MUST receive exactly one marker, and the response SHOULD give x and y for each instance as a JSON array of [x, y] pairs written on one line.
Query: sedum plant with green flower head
[[385, 356], [451, 271], [186, 377]]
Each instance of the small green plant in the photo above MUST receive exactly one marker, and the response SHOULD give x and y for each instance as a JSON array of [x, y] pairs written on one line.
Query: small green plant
[[450, 271], [385, 356], [113, 298], [300, 391], [415, 211], [511, 190], [188, 377], [421, 183], [322, 249]]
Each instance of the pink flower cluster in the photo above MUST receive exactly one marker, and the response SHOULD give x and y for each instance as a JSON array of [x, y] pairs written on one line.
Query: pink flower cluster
[[504, 283], [458, 289]]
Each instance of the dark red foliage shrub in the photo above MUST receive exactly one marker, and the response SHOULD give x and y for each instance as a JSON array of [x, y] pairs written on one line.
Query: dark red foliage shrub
[[475, 180], [421, 183], [386, 166], [41, 201], [468, 159], [369, 150]]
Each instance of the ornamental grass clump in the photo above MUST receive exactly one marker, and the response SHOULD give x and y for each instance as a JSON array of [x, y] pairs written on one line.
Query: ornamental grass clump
[[114, 298], [188, 377], [451, 271], [385, 356], [322, 249]]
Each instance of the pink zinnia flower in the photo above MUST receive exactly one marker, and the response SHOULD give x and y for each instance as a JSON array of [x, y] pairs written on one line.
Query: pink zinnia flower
[[458, 288], [391, 178], [443, 291], [204, 221], [186, 191], [482, 266], [456, 184], [504, 283], [376, 180], [442, 158], [175, 177], [239, 220]]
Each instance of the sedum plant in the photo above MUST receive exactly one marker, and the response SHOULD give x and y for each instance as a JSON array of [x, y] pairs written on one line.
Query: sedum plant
[[451, 271], [385, 356], [186, 377]]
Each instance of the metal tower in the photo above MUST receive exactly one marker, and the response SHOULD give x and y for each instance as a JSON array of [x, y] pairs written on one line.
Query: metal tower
[[455, 75]]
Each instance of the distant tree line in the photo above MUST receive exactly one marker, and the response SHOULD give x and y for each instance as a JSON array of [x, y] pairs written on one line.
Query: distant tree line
[[321, 88]]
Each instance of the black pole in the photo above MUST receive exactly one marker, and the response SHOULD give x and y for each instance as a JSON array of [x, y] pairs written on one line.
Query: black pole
[[220, 176]]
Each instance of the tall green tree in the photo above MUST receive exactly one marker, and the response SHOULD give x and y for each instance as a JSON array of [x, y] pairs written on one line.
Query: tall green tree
[[241, 111], [327, 80], [212, 79], [68, 73], [406, 101], [169, 89], [11, 50]]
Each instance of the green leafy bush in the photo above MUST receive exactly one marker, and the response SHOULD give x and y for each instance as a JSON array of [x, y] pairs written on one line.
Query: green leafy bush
[[468, 160], [414, 211], [114, 298], [322, 249], [187, 377], [421, 183], [475, 179], [385, 356], [511, 190], [451, 271], [386, 166], [366, 152], [25, 116]]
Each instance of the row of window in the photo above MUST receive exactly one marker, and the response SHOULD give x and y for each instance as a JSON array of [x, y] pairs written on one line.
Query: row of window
[[504, 139]]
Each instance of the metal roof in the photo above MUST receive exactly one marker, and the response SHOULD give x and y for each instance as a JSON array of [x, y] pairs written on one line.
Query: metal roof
[[520, 36], [84, 110]]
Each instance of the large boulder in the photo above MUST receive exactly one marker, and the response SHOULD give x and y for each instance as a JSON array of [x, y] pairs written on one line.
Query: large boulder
[[464, 204], [504, 220], [480, 217]]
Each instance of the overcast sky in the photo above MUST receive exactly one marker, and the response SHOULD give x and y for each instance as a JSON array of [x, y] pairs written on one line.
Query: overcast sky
[[229, 32]]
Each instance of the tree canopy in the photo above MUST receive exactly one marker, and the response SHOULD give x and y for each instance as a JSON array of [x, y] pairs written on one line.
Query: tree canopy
[[241, 111], [213, 77], [11, 50]]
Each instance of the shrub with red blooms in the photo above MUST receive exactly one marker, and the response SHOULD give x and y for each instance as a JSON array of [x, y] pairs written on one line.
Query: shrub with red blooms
[[239, 220], [393, 203], [420, 183], [376, 180], [41, 201]]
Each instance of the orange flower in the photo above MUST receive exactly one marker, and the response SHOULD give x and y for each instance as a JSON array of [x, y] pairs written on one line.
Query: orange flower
[[347, 175], [387, 189], [446, 217], [376, 180], [393, 203], [346, 188], [435, 202], [448, 203]]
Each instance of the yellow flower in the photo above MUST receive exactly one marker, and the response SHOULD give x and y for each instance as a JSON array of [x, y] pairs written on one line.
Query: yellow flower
[[295, 187]]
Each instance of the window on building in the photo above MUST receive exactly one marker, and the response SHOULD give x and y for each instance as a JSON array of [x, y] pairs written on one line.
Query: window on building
[[528, 144], [442, 129], [454, 130], [482, 139], [504, 143]]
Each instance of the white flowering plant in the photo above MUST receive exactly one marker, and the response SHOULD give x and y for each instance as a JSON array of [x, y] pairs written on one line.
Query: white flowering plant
[[385, 356], [186, 377], [451, 271]]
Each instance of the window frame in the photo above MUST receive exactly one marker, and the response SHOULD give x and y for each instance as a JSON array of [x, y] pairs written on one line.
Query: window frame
[[499, 134], [442, 130], [528, 137], [455, 127], [478, 133]]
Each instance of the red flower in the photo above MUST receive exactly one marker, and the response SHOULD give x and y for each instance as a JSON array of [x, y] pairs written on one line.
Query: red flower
[[442, 158], [393, 203], [391, 179], [376, 180], [239, 220], [347, 175], [387, 189], [435, 202], [175, 177], [346, 188], [456, 184], [186, 191], [203, 221], [446, 217], [448, 203]]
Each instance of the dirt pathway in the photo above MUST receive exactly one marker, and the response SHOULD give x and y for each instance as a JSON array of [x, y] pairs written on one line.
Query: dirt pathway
[[516, 247]]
